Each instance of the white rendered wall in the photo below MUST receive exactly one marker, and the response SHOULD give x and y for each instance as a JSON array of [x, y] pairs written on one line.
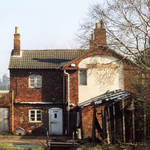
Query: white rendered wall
[[103, 73]]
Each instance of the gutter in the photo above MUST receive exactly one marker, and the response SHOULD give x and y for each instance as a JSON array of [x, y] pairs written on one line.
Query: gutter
[[68, 97]]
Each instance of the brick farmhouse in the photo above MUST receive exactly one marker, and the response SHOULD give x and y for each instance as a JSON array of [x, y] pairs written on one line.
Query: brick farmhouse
[[47, 87]]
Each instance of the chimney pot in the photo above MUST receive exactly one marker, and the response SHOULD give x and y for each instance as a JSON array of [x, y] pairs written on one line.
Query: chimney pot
[[16, 30], [102, 24], [97, 25], [93, 36]]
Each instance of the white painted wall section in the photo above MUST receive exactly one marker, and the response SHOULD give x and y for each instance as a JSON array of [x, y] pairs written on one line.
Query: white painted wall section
[[103, 73]]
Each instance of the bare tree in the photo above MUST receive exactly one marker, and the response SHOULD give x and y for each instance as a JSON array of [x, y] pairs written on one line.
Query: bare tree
[[127, 23], [4, 82]]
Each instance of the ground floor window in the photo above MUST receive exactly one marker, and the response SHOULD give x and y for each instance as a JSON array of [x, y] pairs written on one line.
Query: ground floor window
[[35, 115]]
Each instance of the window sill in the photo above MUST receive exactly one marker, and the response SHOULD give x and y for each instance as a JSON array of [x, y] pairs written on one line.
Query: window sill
[[36, 122], [35, 87]]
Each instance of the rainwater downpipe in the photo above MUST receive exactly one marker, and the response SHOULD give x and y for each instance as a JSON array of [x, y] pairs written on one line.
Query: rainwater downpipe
[[68, 97]]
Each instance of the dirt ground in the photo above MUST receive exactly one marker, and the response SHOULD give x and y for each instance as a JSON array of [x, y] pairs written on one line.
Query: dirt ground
[[30, 140], [33, 140]]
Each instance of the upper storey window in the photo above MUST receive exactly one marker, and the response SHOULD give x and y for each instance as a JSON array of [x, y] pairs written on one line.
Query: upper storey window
[[83, 77], [35, 81]]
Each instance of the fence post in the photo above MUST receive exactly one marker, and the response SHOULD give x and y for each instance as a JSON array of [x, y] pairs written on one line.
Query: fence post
[[103, 122], [133, 121], [114, 116], [107, 126], [123, 120], [144, 122], [93, 125]]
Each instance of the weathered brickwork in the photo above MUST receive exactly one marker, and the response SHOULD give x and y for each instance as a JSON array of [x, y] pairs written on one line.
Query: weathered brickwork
[[87, 115], [100, 34], [52, 84], [51, 91], [16, 50], [131, 74], [21, 118], [87, 119], [73, 87]]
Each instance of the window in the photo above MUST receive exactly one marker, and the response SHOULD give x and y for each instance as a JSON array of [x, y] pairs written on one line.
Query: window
[[55, 115], [83, 77], [35, 115], [35, 81]]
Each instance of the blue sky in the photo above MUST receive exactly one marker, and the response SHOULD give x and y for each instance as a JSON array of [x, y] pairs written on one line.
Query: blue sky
[[43, 24]]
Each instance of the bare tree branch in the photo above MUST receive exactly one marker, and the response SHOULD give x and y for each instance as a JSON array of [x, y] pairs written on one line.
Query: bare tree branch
[[127, 23]]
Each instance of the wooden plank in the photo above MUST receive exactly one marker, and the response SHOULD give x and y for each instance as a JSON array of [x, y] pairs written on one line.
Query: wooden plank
[[107, 126], [144, 122], [93, 125], [60, 145], [64, 89], [103, 123], [12, 110], [133, 121], [114, 116], [123, 122], [48, 141]]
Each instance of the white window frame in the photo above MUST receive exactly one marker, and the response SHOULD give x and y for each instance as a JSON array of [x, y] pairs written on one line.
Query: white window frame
[[83, 75], [35, 117], [35, 79]]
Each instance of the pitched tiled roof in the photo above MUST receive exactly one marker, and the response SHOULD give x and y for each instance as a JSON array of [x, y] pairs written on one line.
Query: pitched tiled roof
[[43, 59]]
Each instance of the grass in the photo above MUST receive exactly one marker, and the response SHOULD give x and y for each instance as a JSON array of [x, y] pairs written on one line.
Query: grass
[[9, 147], [11, 135], [102, 147]]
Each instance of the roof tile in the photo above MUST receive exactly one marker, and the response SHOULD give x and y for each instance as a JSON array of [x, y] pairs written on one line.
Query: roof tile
[[44, 59]]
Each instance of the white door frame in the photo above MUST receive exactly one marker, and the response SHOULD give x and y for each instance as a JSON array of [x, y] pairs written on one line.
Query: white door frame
[[61, 120]]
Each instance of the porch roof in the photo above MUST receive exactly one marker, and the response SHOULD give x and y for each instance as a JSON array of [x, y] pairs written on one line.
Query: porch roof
[[115, 96]]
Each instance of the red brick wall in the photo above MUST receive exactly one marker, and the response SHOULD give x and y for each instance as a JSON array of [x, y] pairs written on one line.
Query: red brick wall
[[131, 75], [87, 120], [21, 118], [73, 86], [52, 86], [73, 76], [99, 38], [16, 50]]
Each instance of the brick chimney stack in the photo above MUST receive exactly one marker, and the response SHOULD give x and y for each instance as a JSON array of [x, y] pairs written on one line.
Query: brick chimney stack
[[16, 50], [98, 38]]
